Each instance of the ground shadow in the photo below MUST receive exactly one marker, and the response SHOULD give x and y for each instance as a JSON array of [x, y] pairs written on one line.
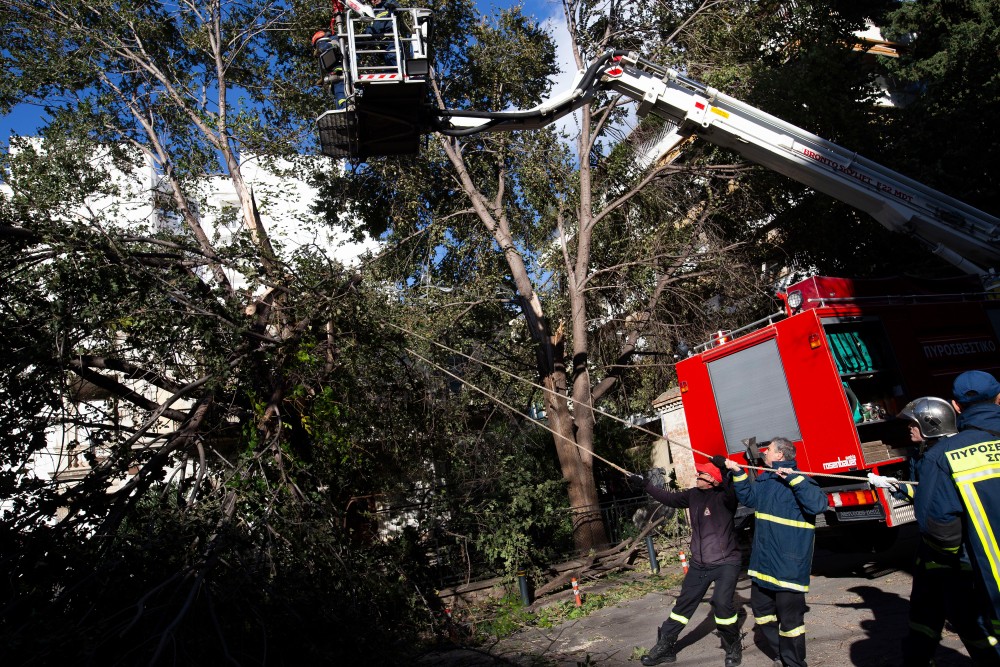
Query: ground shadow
[[883, 635], [692, 635]]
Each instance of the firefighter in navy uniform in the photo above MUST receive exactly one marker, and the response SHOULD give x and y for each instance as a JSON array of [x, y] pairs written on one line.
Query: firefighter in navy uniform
[[382, 26], [786, 503], [943, 581], [715, 558], [961, 478], [331, 63]]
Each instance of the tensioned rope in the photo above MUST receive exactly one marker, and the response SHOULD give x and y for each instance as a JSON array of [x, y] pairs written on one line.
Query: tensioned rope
[[595, 409]]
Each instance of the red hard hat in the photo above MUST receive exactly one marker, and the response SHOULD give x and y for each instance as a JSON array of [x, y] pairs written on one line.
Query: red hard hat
[[317, 35], [710, 470]]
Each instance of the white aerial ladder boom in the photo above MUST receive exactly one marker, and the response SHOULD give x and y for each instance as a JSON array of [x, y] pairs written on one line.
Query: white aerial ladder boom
[[964, 236], [961, 234]]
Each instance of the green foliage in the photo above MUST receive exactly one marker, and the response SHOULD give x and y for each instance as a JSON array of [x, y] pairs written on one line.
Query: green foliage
[[293, 592], [524, 521], [948, 75], [505, 616]]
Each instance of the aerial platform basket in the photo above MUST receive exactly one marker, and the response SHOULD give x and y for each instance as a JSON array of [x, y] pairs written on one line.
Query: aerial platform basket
[[386, 75]]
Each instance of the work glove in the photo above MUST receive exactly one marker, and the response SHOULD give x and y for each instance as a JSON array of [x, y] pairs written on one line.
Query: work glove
[[882, 482], [720, 463], [635, 482]]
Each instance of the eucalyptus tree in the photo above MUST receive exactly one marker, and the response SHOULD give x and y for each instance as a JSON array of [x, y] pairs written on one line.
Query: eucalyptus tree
[[496, 226], [231, 399]]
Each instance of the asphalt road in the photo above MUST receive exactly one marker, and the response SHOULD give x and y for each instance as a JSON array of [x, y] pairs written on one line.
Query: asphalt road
[[858, 605]]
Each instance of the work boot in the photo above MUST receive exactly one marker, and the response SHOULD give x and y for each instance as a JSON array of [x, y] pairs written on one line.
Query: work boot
[[663, 651], [734, 650]]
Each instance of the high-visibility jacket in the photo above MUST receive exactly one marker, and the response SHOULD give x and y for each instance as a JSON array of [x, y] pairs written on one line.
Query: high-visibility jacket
[[961, 479], [383, 11], [907, 491], [785, 526]]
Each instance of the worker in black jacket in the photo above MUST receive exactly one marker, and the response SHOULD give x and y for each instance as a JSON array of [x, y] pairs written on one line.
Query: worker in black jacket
[[715, 558]]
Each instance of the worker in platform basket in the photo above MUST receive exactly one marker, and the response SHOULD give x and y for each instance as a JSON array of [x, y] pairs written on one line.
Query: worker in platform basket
[[380, 28], [961, 477], [715, 559], [943, 581], [785, 504], [331, 65]]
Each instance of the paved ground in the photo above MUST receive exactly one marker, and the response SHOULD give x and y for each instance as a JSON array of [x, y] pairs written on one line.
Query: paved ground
[[857, 616]]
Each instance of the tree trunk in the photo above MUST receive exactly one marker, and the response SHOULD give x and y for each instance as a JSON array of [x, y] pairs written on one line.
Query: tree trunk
[[573, 446], [574, 441]]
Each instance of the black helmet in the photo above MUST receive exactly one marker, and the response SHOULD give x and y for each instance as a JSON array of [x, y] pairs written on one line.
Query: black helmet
[[933, 416]]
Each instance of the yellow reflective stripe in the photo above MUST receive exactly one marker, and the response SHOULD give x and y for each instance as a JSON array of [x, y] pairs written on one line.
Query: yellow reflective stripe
[[763, 620], [796, 480], [726, 621], [908, 490], [966, 482], [783, 521], [794, 632], [740, 477], [924, 630], [947, 551], [679, 618], [783, 584], [992, 640]]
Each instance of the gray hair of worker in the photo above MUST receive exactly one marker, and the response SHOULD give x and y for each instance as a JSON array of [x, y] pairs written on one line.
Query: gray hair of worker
[[785, 446]]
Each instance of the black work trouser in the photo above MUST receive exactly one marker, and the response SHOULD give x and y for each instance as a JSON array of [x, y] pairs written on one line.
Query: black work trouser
[[696, 583], [780, 615], [944, 589]]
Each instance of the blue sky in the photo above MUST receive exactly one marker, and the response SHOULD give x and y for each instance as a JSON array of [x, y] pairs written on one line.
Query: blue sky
[[25, 119]]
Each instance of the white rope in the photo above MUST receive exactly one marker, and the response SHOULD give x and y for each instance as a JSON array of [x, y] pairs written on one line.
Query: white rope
[[593, 408]]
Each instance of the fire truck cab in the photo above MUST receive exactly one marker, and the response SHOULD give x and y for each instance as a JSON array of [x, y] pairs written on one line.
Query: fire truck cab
[[831, 371]]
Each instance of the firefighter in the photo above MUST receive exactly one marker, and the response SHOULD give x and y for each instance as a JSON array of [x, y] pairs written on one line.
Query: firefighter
[[331, 64], [378, 29], [961, 478], [943, 581], [715, 558], [786, 503]]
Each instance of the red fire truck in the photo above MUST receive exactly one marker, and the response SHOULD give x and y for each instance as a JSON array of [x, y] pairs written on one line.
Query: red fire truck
[[831, 370]]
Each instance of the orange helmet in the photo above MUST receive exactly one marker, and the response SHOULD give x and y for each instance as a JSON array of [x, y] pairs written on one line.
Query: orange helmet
[[319, 34]]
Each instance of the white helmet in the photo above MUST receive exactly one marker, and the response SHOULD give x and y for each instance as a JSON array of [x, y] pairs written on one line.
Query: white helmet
[[933, 416]]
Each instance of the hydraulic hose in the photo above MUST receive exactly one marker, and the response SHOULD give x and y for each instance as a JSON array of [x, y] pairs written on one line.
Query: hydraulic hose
[[586, 84]]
